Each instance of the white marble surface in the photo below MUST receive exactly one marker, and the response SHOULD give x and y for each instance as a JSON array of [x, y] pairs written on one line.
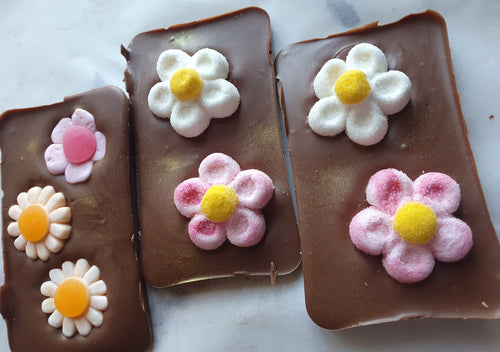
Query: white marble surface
[[51, 49]]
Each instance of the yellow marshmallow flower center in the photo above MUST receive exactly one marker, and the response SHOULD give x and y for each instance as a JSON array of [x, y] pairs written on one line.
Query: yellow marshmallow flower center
[[72, 298], [219, 203], [186, 84], [352, 87], [415, 222], [33, 223]]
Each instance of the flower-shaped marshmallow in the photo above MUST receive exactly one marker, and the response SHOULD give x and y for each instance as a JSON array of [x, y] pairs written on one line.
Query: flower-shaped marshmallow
[[193, 89], [77, 145], [41, 222], [76, 298], [224, 202], [356, 95], [411, 223]]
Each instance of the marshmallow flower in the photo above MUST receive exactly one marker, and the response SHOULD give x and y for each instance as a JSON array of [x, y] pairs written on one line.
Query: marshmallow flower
[[193, 89], [76, 298], [77, 145], [41, 222], [224, 202], [356, 95], [411, 223]]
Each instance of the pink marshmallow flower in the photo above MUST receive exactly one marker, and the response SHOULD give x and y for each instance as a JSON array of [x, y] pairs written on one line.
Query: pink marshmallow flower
[[410, 223], [77, 145], [224, 202]]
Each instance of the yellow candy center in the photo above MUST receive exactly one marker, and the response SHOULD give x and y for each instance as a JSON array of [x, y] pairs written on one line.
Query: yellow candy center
[[415, 222], [72, 298], [33, 223], [219, 203], [186, 84], [352, 87]]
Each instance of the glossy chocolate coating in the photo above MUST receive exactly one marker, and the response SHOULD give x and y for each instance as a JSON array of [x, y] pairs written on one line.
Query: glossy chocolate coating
[[344, 286], [102, 228], [250, 136]]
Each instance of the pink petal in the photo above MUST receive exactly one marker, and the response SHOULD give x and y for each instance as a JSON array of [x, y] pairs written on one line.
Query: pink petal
[[188, 196], [370, 230], [254, 188], [84, 118], [218, 168], [206, 234], [439, 191], [101, 146], [55, 159], [246, 227], [453, 240], [409, 263], [388, 189], [58, 131], [78, 173]]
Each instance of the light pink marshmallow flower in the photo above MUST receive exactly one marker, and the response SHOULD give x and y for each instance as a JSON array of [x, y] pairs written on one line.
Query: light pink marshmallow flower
[[77, 145], [224, 202], [390, 192]]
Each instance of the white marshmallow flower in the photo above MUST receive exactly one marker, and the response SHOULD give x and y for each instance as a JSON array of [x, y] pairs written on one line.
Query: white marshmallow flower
[[193, 90], [356, 96]]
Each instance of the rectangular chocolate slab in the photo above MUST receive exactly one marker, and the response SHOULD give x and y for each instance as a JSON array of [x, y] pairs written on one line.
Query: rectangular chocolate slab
[[102, 228], [345, 287], [250, 136]]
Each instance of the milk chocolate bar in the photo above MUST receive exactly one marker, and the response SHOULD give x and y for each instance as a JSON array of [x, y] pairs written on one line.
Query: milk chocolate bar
[[71, 274], [345, 286], [167, 155]]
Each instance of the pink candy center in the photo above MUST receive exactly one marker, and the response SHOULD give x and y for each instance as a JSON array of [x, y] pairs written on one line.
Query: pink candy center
[[79, 144]]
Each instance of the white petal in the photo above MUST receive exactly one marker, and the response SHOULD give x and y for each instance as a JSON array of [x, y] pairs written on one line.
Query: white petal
[[97, 288], [210, 64], [62, 214], [76, 173], [13, 229], [324, 82], [68, 269], [188, 119], [56, 201], [42, 251], [327, 117], [15, 212], [366, 126], [161, 100], [92, 275], [367, 58], [34, 194], [57, 276], [61, 231], [48, 305], [83, 326], [46, 193], [100, 151], [20, 243], [220, 98], [48, 288], [391, 90], [53, 244], [31, 250], [22, 200], [99, 302], [81, 267], [95, 317], [170, 61], [68, 327], [56, 319]]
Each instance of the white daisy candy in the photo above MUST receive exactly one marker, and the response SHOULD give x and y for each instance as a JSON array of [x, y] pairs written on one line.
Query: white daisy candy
[[41, 222], [76, 298], [357, 95], [193, 89]]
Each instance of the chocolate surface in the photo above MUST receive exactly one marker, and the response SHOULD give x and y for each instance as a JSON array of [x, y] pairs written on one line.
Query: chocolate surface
[[102, 228], [344, 286], [250, 136]]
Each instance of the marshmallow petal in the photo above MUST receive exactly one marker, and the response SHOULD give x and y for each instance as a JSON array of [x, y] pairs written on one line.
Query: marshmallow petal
[[22, 200], [56, 319], [34, 194], [253, 187], [327, 117], [388, 189], [68, 327], [84, 118], [83, 326], [62, 214], [31, 250], [92, 275], [60, 231], [161, 100], [391, 90], [219, 98], [246, 227], [439, 191], [42, 251], [409, 263], [95, 317], [324, 82], [58, 132], [99, 302], [98, 288], [188, 119], [56, 201], [48, 305], [68, 269], [206, 234], [15, 212], [20, 243], [53, 244], [81, 268], [366, 126], [55, 159], [13, 229], [170, 61], [57, 276], [46, 194], [453, 240], [100, 147], [367, 58], [188, 196], [78, 173], [48, 289], [218, 168], [210, 64], [370, 230]]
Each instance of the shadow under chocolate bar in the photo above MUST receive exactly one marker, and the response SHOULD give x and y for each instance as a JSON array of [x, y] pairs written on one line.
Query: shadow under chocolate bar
[[344, 286], [102, 231]]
